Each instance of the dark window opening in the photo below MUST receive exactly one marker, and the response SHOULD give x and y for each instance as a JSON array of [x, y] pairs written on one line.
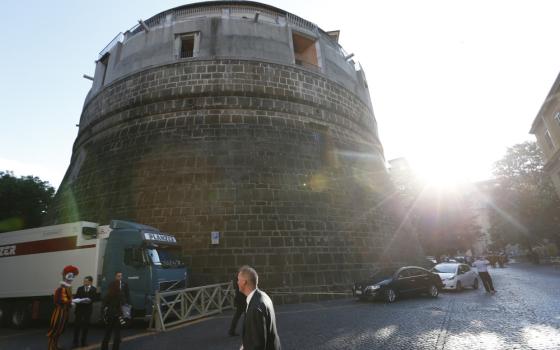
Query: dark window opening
[[187, 46], [105, 62], [305, 51]]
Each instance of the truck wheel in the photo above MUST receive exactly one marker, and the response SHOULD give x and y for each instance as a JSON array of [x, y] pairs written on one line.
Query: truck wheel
[[21, 316], [5, 315]]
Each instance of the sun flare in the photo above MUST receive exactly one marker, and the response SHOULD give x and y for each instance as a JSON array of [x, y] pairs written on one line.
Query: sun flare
[[440, 174]]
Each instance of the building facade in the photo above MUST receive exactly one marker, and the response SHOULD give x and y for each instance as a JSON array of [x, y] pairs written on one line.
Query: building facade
[[240, 122], [546, 128]]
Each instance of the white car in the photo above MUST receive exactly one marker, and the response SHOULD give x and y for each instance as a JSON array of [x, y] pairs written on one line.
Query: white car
[[456, 276]]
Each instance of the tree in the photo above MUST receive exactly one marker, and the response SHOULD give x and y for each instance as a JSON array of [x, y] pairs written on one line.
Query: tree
[[526, 208], [444, 220], [24, 201]]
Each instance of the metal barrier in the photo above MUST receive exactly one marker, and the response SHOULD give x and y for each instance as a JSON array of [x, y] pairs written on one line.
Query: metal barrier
[[179, 306]]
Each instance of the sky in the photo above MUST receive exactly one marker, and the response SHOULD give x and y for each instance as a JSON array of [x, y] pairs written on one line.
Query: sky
[[453, 83]]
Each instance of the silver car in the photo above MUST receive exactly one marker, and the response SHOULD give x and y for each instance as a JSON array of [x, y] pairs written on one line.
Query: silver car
[[456, 276]]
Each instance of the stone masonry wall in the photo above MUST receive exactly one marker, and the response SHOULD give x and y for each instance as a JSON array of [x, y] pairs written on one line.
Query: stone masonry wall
[[284, 163]]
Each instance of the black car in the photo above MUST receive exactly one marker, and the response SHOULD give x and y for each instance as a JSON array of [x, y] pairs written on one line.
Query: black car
[[388, 284]]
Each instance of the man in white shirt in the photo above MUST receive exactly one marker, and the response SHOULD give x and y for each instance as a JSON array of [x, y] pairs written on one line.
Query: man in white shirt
[[482, 267]]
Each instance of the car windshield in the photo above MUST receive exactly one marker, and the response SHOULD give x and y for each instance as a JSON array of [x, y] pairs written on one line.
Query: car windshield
[[445, 268], [166, 257]]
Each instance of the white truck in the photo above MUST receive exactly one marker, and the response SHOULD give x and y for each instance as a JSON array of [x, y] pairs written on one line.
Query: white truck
[[31, 263]]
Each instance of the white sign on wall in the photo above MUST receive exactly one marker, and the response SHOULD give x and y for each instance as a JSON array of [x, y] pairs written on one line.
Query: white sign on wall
[[215, 235]]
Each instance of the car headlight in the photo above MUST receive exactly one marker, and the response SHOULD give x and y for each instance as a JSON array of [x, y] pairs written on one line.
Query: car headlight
[[450, 278], [374, 287]]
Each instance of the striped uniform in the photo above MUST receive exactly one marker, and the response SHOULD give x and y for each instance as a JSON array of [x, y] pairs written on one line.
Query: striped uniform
[[59, 317]]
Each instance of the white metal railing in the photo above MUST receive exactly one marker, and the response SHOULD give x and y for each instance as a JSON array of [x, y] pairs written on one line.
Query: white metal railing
[[179, 306], [117, 39], [217, 10], [300, 22]]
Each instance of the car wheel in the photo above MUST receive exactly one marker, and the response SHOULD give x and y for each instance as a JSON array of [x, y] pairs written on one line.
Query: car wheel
[[475, 283], [390, 295], [459, 286], [21, 316], [433, 291]]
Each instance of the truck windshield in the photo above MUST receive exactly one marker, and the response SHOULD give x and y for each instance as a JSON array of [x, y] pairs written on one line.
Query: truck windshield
[[166, 257]]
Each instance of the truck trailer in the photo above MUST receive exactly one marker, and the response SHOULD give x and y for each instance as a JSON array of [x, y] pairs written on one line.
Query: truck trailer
[[31, 263]]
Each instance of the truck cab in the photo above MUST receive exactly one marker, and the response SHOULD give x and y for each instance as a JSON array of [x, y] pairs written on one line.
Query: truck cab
[[149, 260]]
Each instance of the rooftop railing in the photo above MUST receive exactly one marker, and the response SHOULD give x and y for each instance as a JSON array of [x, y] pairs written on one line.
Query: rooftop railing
[[117, 39], [218, 10]]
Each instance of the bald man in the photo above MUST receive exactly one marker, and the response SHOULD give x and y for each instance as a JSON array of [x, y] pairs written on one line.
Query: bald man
[[259, 329]]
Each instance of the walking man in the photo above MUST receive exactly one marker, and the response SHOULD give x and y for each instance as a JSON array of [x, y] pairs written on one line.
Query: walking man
[[240, 306], [88, 294], [259, 329], [482, 267], [117, 296]]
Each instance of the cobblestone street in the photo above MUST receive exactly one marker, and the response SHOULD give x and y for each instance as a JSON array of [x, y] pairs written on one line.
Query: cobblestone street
[[524, 314]]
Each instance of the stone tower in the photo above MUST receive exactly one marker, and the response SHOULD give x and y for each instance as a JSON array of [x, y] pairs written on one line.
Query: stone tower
[[241, 118]]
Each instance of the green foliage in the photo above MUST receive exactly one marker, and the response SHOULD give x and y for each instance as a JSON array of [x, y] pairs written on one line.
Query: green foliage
[[526, 207], [24, 201]]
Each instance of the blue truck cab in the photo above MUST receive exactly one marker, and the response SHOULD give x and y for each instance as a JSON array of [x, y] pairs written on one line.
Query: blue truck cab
[[149, 260]]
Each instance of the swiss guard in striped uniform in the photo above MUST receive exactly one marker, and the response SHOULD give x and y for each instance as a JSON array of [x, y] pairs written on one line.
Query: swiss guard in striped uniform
[[62, 303]]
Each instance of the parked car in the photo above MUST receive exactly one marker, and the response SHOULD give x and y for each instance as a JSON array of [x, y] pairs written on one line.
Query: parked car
[[460, 259], [389, 284], [431, 261], [456, 276]]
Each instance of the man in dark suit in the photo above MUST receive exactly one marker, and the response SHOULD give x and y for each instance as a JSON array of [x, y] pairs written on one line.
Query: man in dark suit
[[122, 286], [259, 329], [83, 311]]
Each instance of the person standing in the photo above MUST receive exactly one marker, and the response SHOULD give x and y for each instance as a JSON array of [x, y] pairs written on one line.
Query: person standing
[[62, 303], [240, 306], [88, 294], [116, 297], [482, 267], [259, 328]]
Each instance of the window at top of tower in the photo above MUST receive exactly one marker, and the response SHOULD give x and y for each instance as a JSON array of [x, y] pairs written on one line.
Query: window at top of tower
[[187, 44], [305, 51], [104, 62]]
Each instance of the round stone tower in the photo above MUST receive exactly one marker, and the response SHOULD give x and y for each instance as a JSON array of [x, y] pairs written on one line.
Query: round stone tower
[[239, 118]]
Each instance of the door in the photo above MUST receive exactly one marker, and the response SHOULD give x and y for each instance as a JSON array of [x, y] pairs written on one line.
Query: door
[[419, 280], [468, 274], [402, 282], [136, 275]]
